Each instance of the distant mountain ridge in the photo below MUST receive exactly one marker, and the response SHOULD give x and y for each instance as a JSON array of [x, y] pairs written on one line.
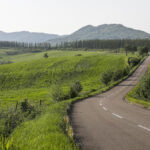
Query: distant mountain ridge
[[105, 31], [25, 36], [89, 32]]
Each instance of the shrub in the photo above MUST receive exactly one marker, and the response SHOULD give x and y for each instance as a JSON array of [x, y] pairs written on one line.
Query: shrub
[[75, 89], [106, 77], [25, 106], [143, 51], [12, 121], [133, 61], [118, 74], [15, 116], [57, 94], [143, 89], [78, 55], [45, 55], [126, 71]]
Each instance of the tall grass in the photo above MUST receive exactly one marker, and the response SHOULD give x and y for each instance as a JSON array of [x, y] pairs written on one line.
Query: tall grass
[[35, 79], [141, 93]]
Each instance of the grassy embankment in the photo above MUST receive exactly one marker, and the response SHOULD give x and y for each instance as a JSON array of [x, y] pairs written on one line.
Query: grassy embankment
[[34, 77], [141, 93]]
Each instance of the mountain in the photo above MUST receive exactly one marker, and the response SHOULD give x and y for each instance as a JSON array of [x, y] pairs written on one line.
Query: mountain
[[89, 32], [105, 31], [25, 36]]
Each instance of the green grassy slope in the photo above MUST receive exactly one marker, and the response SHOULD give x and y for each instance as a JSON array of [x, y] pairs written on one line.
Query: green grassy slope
[[35, 78], [141, 93]]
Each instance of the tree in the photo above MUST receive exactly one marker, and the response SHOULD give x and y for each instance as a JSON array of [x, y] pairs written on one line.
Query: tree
[[143, 50], [127, 48]]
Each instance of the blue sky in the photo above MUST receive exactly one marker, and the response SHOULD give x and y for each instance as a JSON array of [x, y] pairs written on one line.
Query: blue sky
[[66, 16]]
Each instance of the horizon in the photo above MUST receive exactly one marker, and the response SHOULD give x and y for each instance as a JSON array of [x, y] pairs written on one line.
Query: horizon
[[73, 31], [64, 17]]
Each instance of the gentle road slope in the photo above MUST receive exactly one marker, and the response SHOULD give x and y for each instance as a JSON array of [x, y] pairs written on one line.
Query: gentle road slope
[[108, 122]]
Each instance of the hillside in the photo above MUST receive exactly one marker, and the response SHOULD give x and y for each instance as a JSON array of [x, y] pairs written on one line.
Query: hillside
[[34, 78], [106, 31], [25, 36]]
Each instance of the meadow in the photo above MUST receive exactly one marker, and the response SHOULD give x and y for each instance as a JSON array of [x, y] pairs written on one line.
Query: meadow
[[33, 77]]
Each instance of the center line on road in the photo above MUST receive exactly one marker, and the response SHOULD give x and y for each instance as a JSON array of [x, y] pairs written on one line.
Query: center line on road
[[144, 127], [118, 116], [105, 108]]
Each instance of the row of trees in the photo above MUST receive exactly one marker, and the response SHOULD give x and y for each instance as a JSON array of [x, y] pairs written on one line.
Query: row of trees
[[6, 44], [105, 44], [129, 45]]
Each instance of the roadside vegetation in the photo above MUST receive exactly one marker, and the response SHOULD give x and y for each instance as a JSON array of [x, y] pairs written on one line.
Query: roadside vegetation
[[141, 93], [38, 89]]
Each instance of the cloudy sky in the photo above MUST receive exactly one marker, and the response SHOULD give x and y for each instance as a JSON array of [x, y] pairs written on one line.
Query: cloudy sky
[[66, 16]]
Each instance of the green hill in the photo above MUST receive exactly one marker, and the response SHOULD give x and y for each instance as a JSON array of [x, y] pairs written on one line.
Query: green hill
[[35, 80], [106, 31]]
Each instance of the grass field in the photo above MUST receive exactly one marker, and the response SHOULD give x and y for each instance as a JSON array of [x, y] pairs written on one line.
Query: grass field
[[34, 77]]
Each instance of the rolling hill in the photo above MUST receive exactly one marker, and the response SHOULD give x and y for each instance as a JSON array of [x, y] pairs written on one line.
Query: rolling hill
[[89, 32], [25, 36], [105, 31]]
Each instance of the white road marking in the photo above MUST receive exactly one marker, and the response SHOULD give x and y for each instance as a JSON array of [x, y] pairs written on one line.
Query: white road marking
[[100, 104], [118, 116], [144, 127], [105, 108]]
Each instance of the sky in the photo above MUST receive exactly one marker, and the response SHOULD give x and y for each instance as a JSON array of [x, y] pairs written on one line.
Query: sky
[[66, 16]]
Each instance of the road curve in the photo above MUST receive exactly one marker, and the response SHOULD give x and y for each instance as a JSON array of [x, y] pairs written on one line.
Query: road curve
[[108, 122]]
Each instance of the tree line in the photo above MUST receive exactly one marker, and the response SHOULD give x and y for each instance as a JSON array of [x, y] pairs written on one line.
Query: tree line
[[7, 44], [82, 44], [105, 44]]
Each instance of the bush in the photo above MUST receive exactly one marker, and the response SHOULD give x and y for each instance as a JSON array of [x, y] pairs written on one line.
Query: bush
[[57, 94], [143, 51], [133, 61], [25, 106], [106, 77], [78, 55], [45, 55], [75, 89], [118, 74], [12, 121], [143, 89], [126, 71], [16, 115]]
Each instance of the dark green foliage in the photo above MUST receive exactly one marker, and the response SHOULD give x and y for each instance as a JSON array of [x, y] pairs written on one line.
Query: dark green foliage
[[118, 74], [25, 106], [79, 55], [15, 116], [143, 89], [107, 76], [57, 94], [12, 121], [143, 51], [126, 71], [130, 48], [133, 61], [75, 88], [45, 55], [131, 45]]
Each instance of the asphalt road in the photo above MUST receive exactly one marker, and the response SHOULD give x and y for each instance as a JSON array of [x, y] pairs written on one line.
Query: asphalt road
[[108, 122]]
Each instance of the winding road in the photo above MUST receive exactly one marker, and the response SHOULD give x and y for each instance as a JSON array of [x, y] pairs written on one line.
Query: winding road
[[108, 122]]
